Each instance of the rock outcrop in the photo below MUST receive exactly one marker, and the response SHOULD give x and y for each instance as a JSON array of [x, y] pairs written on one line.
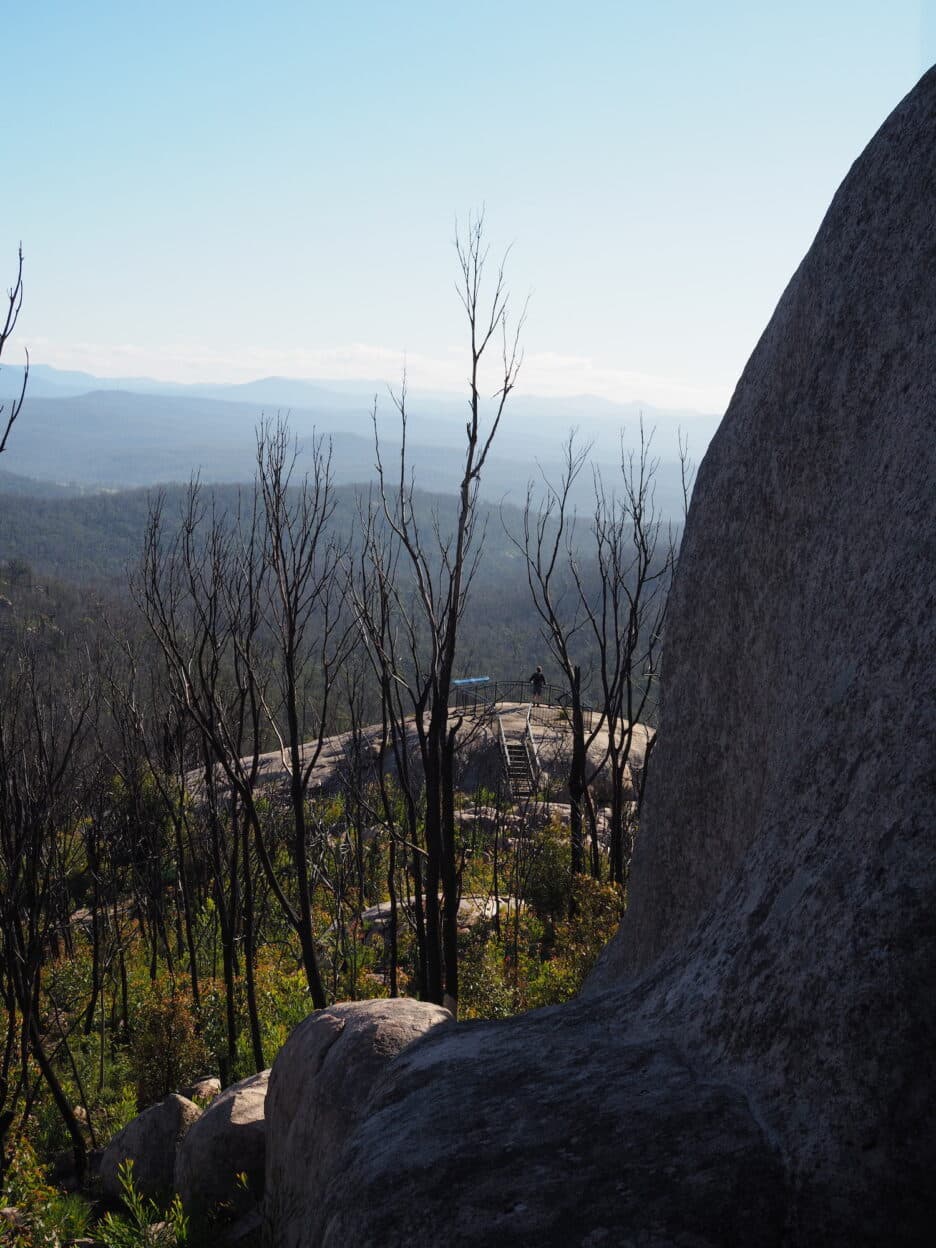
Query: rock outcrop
[[204, 1089], [752, 1062], [319, 1086], [228, 1140], [151, 1142], [556, 1129]]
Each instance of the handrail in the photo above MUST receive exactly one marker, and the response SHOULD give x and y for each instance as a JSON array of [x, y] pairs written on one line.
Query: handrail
[[530, 742], [503, 742], [471, 698]]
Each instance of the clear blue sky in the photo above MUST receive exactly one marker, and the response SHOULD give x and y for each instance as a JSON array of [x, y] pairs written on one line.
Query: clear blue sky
[[211, 191]]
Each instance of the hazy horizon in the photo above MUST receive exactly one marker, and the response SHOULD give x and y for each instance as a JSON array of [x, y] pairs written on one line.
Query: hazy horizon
[[218, 194], [44, 374], [76, 429]]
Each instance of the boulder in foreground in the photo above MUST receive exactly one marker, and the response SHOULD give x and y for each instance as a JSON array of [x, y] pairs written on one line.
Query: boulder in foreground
[[151, 1142], [230, 1140], [319, 1087]]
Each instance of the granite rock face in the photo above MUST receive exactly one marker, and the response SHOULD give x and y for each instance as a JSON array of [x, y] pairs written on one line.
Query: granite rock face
[[150, 1141], [784, 894], [753, 1060], [319, 1086], [230, 1140], [554, 1129]]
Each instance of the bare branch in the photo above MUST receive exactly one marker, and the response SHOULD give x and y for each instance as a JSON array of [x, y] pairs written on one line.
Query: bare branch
[[14, 304]]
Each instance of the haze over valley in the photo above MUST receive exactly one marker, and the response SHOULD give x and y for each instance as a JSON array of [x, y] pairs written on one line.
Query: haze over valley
[[95, 433]]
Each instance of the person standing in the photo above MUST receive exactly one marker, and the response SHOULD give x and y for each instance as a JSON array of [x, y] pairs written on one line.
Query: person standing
[[538, 681]]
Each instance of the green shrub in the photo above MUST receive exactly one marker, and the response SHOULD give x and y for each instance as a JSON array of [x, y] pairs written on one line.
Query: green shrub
[[143, 1225], [166, 1051], [484, 987], [549, 880], [577, 942], [49, 1217]]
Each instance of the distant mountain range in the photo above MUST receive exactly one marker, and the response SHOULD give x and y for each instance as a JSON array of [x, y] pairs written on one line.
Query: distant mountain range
[[93, 433]]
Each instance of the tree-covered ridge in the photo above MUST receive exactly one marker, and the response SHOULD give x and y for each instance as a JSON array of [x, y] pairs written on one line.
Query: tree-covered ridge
[[92, 542]]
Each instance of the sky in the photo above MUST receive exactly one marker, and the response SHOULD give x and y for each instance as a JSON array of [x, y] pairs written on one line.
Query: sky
[[222, 191]]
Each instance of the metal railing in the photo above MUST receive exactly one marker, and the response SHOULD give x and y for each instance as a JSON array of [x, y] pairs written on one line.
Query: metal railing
[[553, 699], [474, 697], [503, 744], [530, 742]]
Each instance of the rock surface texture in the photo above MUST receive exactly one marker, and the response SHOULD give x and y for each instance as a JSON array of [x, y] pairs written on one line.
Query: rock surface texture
[[151, 1142], [753, 1060], [204, 1089], [784, 898], [230, 1140], [319, 1087]]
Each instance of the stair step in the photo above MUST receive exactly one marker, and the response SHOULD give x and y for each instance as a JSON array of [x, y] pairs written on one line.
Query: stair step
[[519, 771]]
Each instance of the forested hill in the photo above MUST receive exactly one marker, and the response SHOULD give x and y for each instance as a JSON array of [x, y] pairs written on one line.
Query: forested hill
[[95, 537], [15, 483], [92, 542], [82, 539]]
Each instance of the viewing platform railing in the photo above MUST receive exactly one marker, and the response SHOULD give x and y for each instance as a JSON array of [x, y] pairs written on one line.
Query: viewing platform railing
[[477, 697]]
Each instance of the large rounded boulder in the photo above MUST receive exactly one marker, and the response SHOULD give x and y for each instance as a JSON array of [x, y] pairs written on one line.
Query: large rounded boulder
[[229, 1142], [320, 1085], [151, 1142]]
